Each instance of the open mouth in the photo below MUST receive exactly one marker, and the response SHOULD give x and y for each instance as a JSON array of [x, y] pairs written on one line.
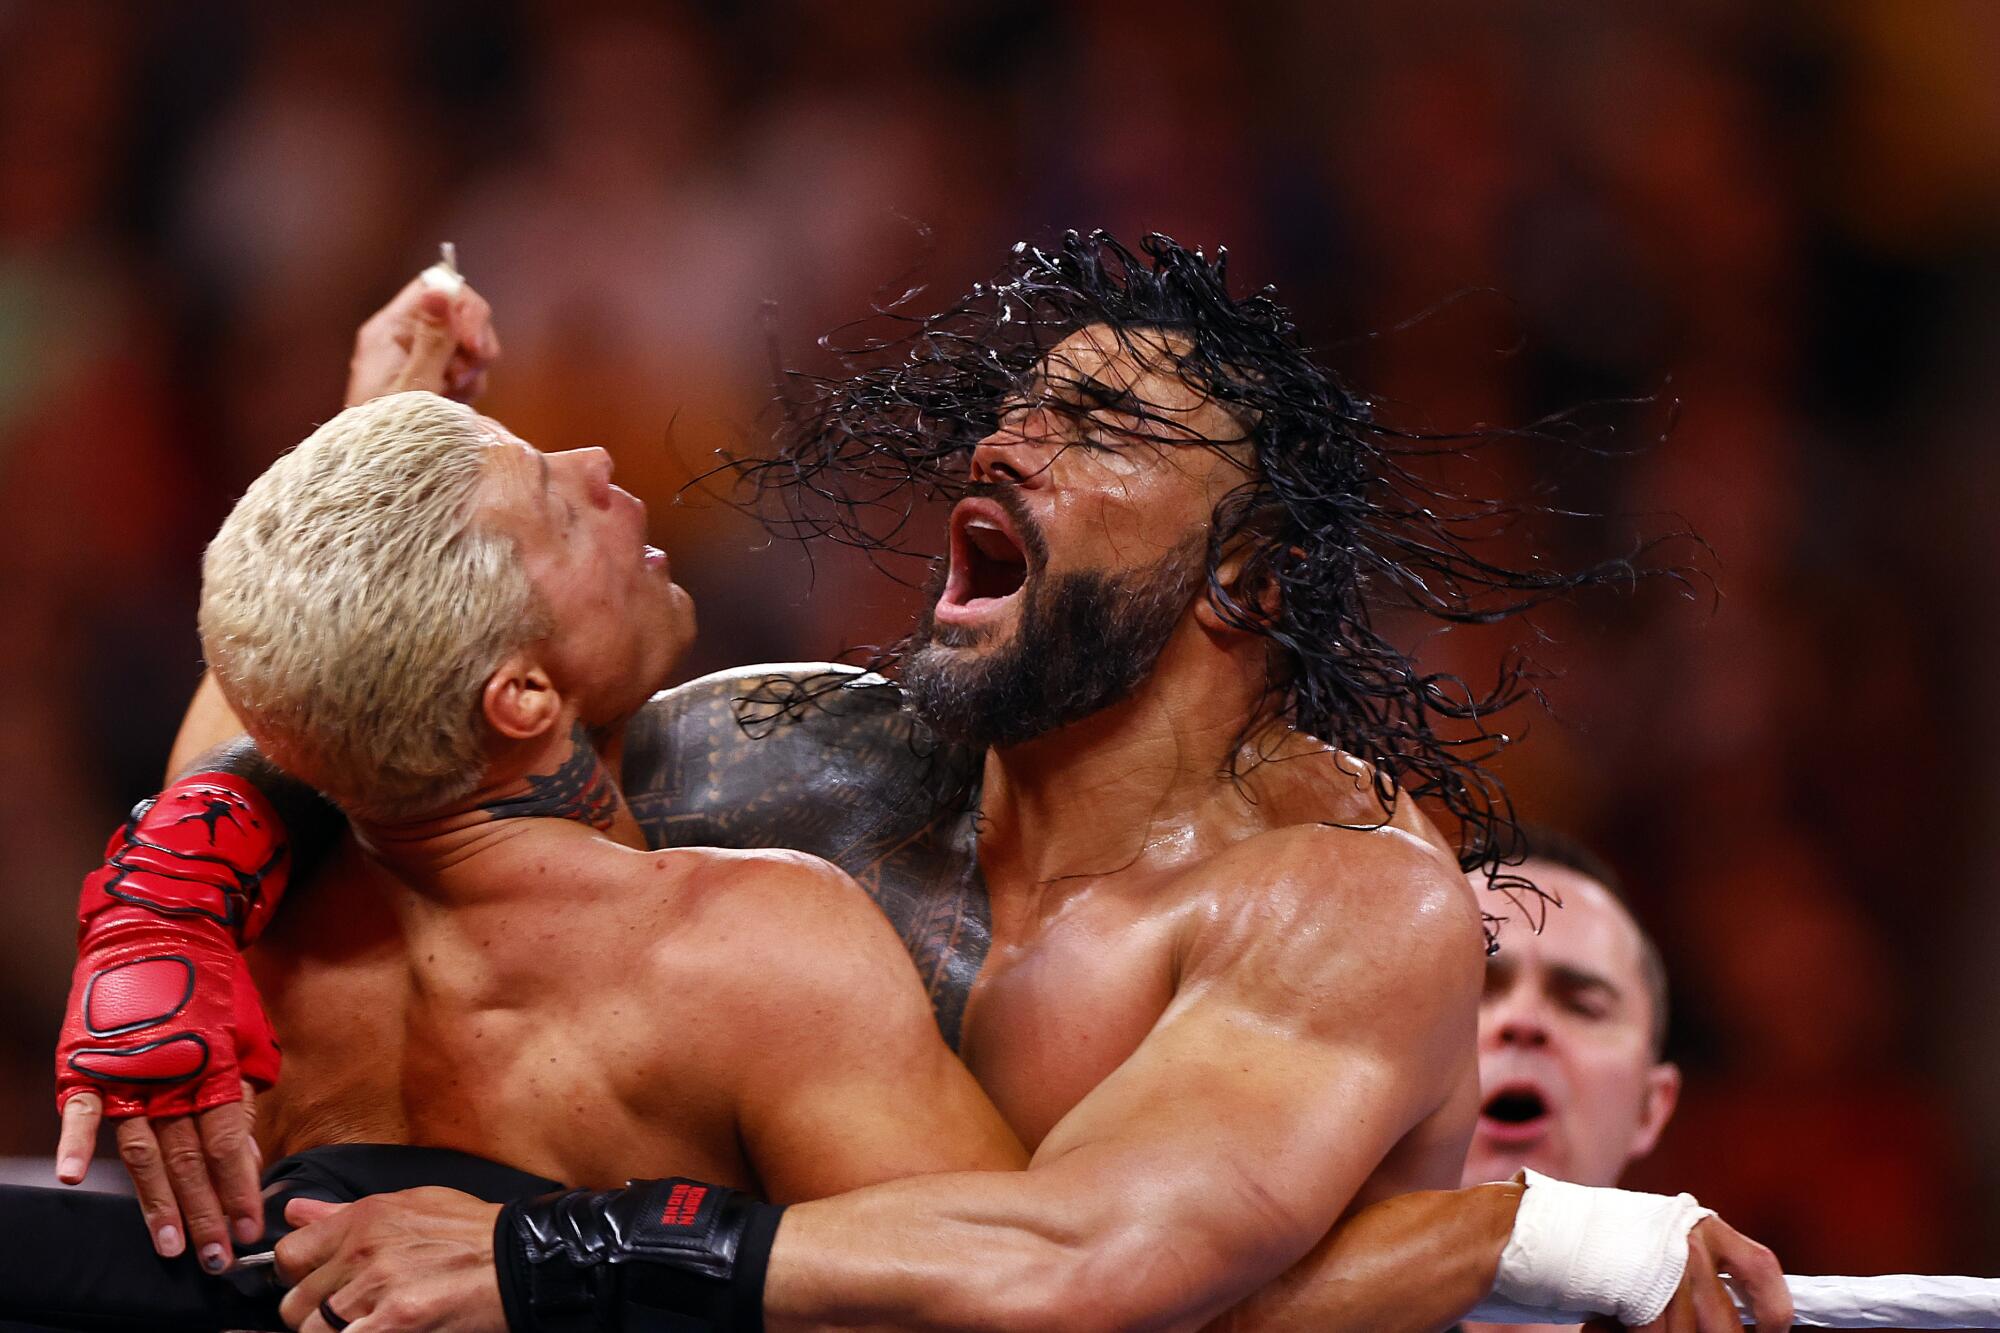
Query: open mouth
[[1515, 1112], [989, 565], [1516, 1107]]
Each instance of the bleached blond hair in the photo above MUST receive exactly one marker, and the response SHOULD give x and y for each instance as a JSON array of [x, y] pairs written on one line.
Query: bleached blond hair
[[352, 609]]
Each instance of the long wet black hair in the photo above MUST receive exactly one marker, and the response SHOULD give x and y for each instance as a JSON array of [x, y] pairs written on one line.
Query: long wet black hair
[[1340, 522]]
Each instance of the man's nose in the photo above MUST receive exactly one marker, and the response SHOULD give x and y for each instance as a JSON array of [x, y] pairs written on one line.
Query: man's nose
[[594, 465], [1017, 455], [1515, 1021]]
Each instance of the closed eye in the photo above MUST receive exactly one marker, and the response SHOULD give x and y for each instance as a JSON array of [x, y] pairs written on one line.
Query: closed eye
[[1590, 1000]]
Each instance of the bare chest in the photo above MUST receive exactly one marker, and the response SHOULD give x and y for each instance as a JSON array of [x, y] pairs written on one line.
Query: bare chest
[[1059, 1005]]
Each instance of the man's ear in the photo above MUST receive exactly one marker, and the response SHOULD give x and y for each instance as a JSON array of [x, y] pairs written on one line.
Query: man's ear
[[1259, 602], [520, 701], [1663, 1094]]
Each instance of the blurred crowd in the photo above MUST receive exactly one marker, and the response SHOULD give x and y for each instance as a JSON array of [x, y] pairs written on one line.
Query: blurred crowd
[[1776, 225]]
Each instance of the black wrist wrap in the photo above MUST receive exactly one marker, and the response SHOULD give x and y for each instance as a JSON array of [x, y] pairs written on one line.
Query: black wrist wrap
[[659, 1256]]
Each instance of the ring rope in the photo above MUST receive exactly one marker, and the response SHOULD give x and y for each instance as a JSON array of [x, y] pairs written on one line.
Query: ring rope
[[1895, 1300]]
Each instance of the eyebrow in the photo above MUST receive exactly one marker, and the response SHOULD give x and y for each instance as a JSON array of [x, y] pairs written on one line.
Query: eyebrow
[[1566, 976], [1572, 977], [1088, 392], [1110, 397]]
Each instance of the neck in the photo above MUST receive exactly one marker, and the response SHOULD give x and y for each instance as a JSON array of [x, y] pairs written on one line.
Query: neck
[[559, 777], [1152, 767]]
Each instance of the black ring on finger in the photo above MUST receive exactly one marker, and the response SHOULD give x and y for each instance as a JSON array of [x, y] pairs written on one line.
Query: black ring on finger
[[333, 1321]]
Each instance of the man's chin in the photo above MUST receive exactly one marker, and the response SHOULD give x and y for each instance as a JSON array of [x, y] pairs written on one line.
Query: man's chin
[[964, 642], [1484, 1165]]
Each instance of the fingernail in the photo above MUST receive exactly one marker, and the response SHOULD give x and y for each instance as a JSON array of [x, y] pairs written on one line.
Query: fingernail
[[212, 1258], [247, 1229], [70, 1169], [169, 1239]]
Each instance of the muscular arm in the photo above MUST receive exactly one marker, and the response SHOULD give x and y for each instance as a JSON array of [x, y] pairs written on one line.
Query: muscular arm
[[844, 1080], [1308, 1038]]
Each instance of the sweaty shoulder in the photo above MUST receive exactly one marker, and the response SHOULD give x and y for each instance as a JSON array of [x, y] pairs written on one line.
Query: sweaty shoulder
[[815, 756], [1307, 907]]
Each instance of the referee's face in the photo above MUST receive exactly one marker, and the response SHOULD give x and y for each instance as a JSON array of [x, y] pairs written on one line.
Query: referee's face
[[1568, 1081]]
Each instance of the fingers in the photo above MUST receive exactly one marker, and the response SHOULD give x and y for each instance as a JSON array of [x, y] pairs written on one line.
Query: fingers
[[305, 1212], [256, 1148], [371, 1321], [81, 1115], [300, 1307], [472, 323], [432, 343], [310, 1260], [463, 380], [1714, 1311], [424, 339], [314, 1243], [1754, 1272], [187, 1169], [231, 1150], [478, 346], [140, 1151]]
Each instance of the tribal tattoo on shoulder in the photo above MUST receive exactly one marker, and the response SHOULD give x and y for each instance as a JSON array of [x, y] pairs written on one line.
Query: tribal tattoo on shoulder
[[830, 764], [580, 789]]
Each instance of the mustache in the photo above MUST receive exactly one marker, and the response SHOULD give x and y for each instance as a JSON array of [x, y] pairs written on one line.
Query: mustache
[[1034, 544]]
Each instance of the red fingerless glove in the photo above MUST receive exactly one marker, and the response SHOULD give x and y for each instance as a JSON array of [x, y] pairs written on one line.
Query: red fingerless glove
[[162, 1017]]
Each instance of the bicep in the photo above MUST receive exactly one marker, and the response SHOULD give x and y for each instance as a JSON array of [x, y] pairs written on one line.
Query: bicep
[[1238, 1138], [1272, 1090]]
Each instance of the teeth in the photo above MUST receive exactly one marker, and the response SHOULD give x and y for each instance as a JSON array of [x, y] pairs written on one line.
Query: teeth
[[982, 525]]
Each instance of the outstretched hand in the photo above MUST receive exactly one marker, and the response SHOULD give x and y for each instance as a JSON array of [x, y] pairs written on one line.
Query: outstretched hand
[[392, 1263]]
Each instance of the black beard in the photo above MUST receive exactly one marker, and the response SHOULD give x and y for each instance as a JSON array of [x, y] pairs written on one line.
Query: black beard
[[1084, 642]]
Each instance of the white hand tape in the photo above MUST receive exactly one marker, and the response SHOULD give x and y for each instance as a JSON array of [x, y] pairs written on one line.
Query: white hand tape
[[1602, 1251]]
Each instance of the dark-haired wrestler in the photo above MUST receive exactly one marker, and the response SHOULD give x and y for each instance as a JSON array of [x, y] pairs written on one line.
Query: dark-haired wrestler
[[1208, 965]]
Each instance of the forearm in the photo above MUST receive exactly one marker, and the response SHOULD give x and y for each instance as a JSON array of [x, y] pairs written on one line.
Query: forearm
[[1004, 1250], [1406, 1265]]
